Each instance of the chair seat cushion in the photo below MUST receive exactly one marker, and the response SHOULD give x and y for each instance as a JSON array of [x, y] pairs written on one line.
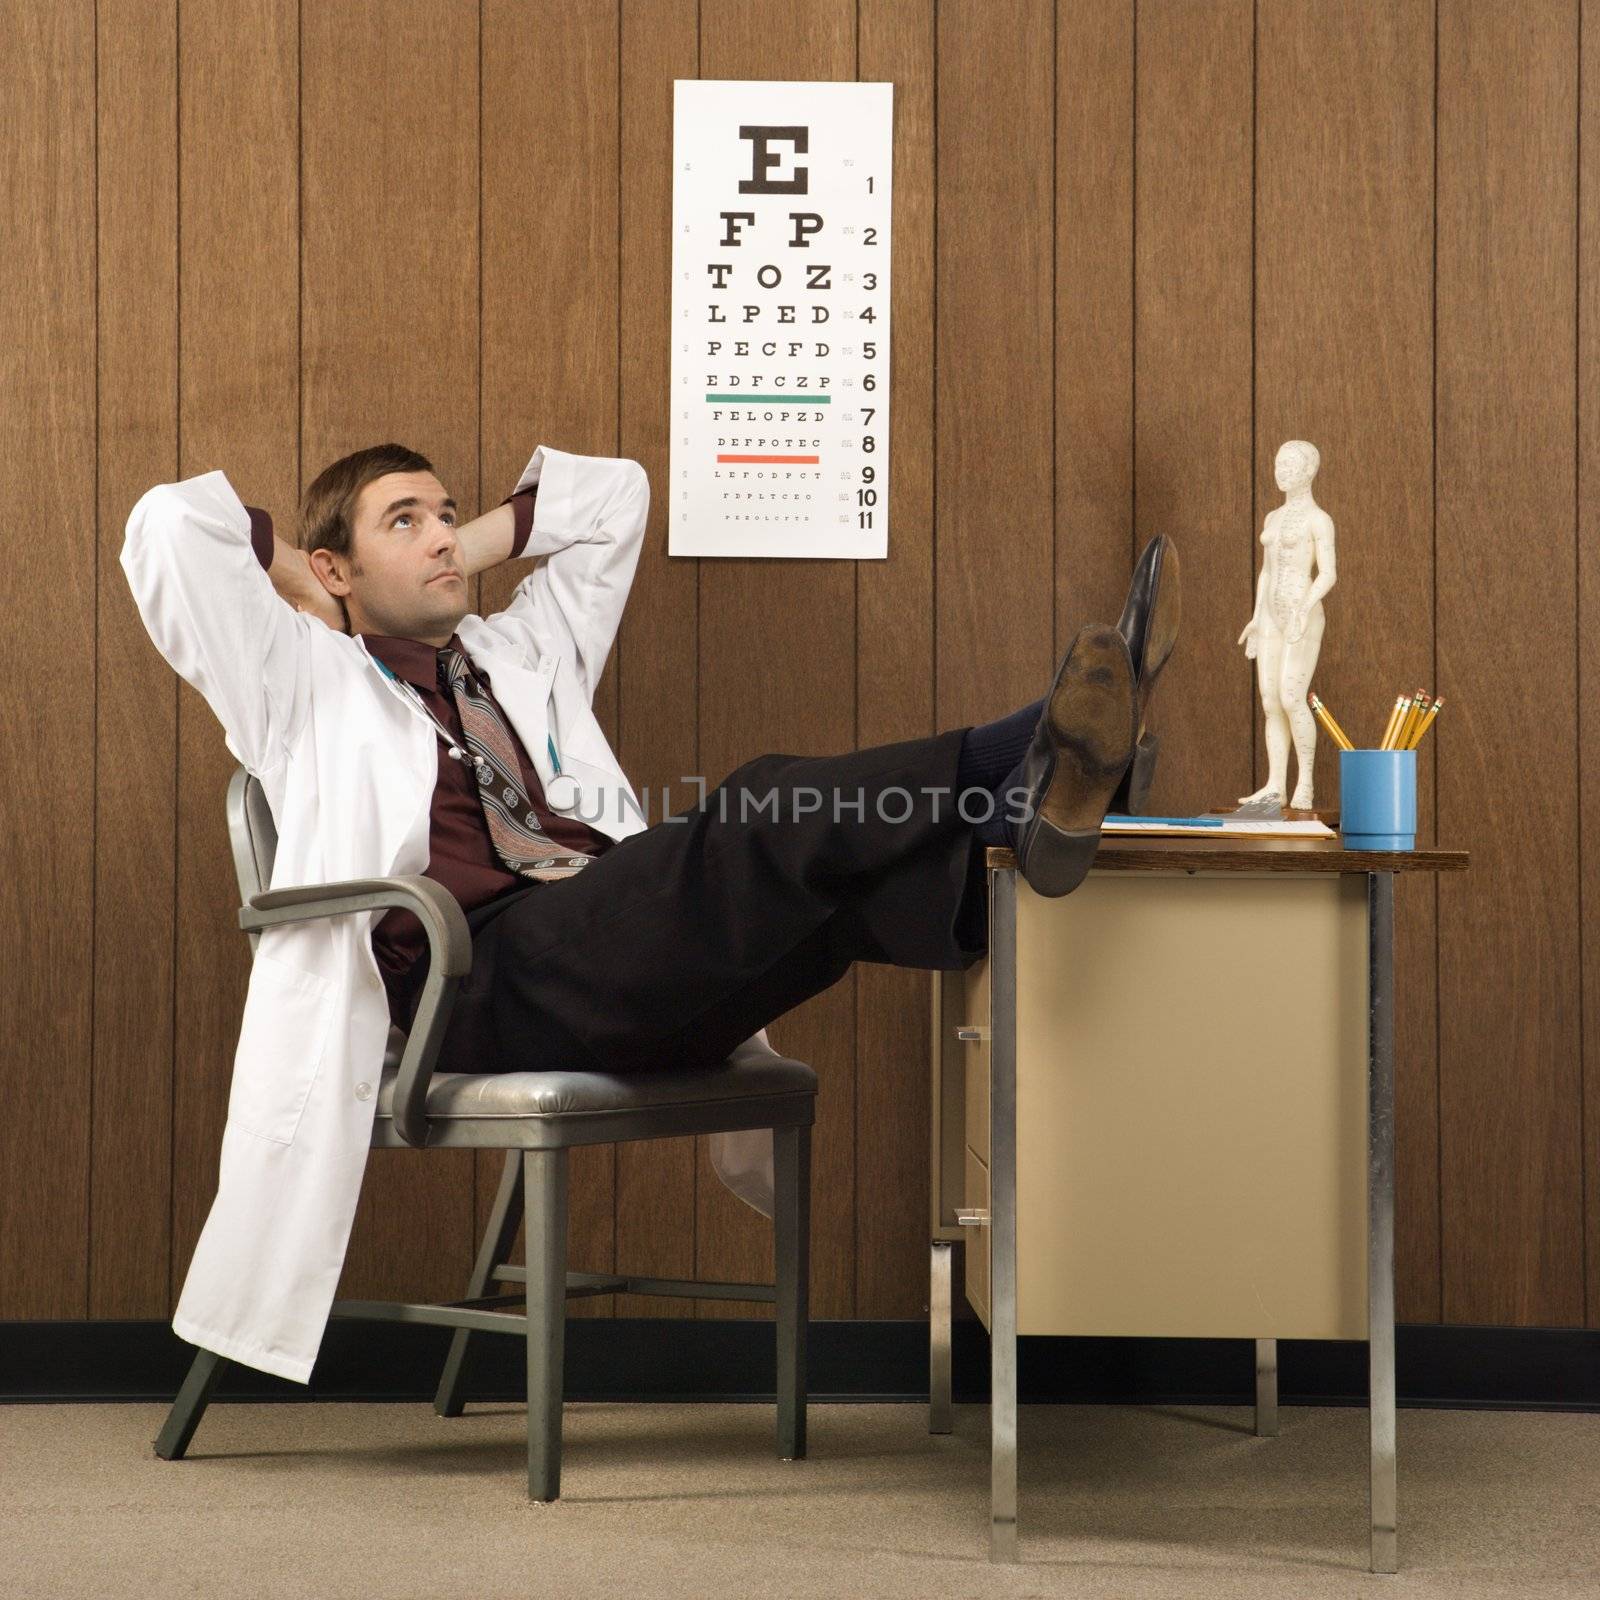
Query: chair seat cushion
[[752, 1070]]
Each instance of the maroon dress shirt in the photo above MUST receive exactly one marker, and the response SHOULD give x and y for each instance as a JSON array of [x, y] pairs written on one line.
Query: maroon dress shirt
[[461, 853]]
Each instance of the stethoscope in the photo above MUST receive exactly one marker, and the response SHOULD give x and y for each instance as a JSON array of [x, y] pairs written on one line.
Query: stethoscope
[[484, 771]]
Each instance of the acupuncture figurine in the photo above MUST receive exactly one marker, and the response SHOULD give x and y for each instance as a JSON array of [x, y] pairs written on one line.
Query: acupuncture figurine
[[1284, 636]]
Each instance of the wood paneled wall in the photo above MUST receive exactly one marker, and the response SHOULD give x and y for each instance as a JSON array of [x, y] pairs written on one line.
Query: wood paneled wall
[[1137, 246]]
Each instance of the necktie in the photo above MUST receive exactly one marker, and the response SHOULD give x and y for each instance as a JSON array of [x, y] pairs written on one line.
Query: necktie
[[513, 825]]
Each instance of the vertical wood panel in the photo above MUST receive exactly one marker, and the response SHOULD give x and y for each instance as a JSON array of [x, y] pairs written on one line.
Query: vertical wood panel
[[655, 1185], [777, 673], [894, 685], [1062, 449], [130, 1244], [47, 597], [238, 388], [994, 435], [238, 384], [550, 375], [1510, 1114], [1344, 330], [1192, 375], [1589, 632], [389, 156], [1094, 312], [994, 353]]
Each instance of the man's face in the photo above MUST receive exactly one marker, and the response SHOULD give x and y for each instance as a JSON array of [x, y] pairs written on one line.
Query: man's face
[[406, 579]]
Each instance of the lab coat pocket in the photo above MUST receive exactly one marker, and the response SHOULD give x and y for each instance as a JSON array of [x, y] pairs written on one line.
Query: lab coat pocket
[[282, 1040]]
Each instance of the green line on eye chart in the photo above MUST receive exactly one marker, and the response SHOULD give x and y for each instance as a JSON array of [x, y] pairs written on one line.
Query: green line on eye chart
[[769, 399]]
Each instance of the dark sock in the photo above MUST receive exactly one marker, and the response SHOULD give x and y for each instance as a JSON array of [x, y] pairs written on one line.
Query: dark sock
[[995, 830], [989, 750]]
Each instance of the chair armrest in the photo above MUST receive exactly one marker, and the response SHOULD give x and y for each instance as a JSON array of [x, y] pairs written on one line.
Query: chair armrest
[[449, 960], [449, 939]]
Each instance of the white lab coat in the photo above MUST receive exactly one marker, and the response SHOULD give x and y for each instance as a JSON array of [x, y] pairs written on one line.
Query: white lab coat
[[348, 765]]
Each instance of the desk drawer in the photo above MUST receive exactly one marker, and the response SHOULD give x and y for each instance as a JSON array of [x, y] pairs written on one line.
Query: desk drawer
[[1191, 1107], [977, 1239]]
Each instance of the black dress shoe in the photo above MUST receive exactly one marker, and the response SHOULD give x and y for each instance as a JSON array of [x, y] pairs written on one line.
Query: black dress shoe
[[1150, 625], [1079, 752]]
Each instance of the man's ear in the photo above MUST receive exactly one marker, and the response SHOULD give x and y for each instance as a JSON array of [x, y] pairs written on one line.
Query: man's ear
[[325, 564]]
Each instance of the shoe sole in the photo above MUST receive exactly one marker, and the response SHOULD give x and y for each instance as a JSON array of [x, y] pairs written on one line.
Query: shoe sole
[[1090, 719], [1161, 633], [1160, 638]]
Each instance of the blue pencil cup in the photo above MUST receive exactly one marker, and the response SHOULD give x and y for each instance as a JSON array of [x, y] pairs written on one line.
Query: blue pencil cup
[[1378, 799]]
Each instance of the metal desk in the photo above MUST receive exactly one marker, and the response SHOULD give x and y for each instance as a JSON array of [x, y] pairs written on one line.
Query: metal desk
[[1323, 1294]]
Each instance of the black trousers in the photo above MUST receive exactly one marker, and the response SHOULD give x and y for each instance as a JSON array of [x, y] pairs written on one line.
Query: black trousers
[[682, 940]]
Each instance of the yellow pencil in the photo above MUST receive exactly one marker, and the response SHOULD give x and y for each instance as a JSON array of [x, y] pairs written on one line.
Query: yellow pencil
[[1325, 717], [1426, 723], [1414, 711], [1394, 712], [1393, 723], [1334, 727]]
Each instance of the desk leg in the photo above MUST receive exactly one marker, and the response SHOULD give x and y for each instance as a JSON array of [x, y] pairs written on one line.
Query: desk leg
[[1003, 1216], [1266, 1388], [1380, 1219], [939, 1331]]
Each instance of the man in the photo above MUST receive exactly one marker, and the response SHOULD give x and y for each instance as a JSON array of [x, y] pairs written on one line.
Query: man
[[395, 732]]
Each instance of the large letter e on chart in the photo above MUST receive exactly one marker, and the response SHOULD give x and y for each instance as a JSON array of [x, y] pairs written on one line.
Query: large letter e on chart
[[764, 160]]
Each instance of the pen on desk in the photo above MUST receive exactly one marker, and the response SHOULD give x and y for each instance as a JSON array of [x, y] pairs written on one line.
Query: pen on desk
[[1175, 822], [1326, 718], [1426, 723]]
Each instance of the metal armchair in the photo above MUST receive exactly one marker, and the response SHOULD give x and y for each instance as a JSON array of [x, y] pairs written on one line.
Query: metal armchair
[[536, 1117]]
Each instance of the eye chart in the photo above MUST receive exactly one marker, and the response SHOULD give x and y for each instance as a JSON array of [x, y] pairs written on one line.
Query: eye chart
[[780, 319]]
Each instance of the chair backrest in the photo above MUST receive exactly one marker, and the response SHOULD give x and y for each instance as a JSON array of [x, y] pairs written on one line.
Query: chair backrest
[[253, 835]]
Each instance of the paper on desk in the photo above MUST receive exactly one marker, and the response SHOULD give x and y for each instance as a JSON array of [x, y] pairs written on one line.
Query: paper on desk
[[1229, 829]]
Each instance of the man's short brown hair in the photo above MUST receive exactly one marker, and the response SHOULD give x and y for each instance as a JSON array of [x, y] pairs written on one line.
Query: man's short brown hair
[[328, 507]]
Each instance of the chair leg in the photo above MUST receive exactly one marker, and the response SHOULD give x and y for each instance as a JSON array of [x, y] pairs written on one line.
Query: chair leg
[[184, 1417], [545, 1210], [492, 1252], [791, 1243]]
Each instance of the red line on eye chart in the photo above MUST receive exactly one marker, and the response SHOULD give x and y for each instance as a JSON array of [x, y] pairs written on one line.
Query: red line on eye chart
[[781, 460]]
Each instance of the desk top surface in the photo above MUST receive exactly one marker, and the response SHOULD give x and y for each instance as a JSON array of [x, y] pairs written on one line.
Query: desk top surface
[[1167, 853]]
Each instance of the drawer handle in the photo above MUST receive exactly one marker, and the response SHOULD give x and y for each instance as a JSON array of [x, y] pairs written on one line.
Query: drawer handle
[[972, 1034], [968, 1217]]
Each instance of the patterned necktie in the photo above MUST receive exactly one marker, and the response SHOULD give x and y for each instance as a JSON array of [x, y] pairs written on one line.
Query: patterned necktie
[[513, 824]]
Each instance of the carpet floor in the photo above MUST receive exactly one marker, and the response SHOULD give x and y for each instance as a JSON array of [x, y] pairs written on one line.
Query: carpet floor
[[334, 1500]]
